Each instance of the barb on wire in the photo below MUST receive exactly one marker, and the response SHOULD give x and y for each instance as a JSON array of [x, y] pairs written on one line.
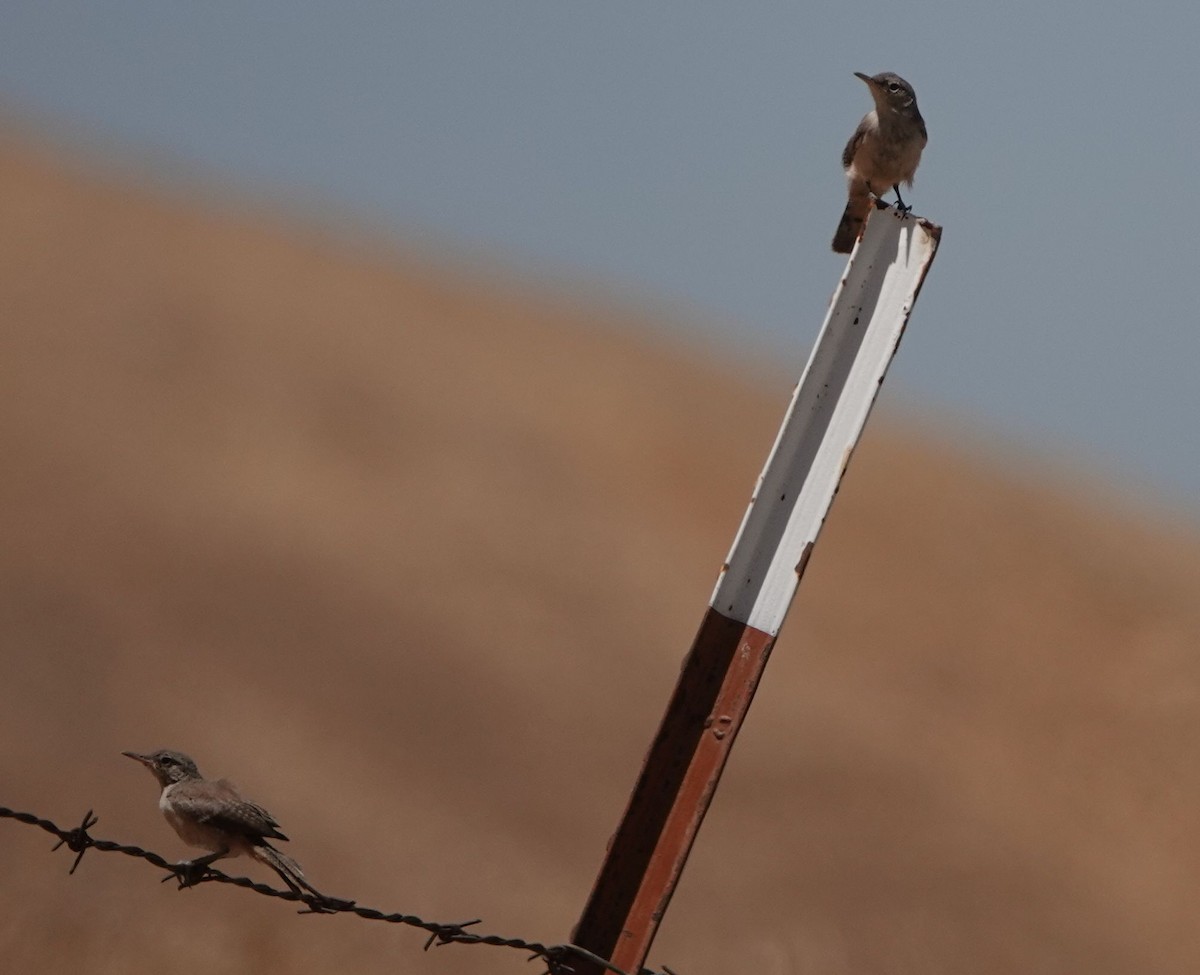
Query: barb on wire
[[558, 958]]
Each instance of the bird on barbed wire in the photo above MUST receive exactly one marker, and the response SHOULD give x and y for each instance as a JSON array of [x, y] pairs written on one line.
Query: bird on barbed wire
[[211, 815]]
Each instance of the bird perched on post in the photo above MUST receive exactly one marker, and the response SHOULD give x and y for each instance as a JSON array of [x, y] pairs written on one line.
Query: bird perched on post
[[211, 815], [883, 152]]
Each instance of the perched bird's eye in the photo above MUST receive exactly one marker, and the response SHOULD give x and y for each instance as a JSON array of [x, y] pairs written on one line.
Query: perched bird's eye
[[893, 86], [166, 760]]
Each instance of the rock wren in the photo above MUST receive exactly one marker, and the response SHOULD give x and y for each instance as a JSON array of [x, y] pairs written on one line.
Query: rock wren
[[213, 816], [882, 153]]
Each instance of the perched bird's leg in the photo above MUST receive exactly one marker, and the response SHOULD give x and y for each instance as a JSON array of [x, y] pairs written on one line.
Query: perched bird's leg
[[201, 863], [900, 200]]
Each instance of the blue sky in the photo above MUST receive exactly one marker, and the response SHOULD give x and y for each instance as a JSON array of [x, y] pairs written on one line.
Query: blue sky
[[689, 152]]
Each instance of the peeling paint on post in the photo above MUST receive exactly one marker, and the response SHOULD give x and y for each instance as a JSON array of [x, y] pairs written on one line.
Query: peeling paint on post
[[720, 674]]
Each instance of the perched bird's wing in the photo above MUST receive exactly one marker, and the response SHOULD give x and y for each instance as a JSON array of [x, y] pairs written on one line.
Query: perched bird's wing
[[851, 149], [218, 804]]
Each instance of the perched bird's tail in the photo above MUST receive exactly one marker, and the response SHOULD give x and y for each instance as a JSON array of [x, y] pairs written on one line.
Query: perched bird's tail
[[287, 868], [857, 208]]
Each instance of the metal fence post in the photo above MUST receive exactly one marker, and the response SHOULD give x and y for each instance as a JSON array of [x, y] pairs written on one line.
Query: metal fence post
[[829, 408]]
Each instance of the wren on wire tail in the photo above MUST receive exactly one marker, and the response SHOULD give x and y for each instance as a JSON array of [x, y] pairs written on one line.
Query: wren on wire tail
[[212, 816], [883, 152]]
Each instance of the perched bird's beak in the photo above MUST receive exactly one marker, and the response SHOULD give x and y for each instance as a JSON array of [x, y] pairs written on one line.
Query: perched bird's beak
[[145, 760], [864, 77]]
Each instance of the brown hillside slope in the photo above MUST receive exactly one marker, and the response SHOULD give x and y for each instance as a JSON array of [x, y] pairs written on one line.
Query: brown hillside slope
[[414, 557]]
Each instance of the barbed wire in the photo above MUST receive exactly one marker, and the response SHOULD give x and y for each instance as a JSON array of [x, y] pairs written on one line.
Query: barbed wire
[[557, 957]]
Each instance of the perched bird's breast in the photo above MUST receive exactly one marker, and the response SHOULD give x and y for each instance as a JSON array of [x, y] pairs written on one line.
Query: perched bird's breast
[[883, 156], [190, 829]]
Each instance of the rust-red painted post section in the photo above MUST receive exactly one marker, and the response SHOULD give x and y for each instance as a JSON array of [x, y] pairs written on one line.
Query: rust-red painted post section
[[754, 590], [673, 792]]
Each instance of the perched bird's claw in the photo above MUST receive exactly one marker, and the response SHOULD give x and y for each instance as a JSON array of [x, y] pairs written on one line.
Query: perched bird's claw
[[188, 872]]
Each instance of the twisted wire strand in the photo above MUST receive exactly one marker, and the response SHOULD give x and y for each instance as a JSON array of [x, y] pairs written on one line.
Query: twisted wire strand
[[558, 958]]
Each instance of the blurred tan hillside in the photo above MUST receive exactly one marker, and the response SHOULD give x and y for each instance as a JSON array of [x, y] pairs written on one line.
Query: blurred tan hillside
[[413, 556]]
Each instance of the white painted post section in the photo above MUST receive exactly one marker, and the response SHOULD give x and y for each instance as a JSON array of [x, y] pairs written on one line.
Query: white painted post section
[[829, 408]]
